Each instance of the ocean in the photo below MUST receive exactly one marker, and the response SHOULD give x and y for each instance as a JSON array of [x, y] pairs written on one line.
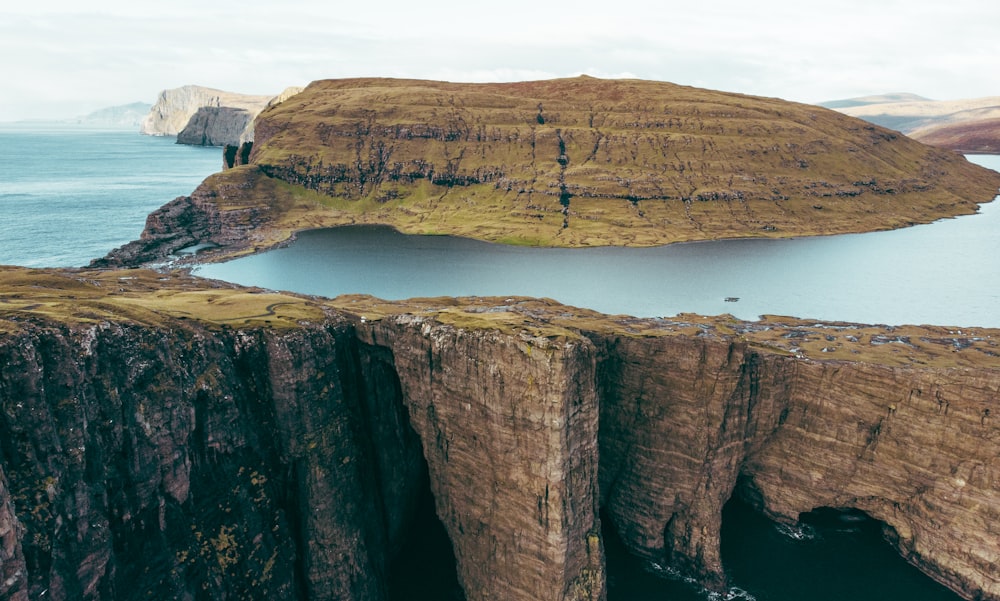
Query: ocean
[[71, 194]]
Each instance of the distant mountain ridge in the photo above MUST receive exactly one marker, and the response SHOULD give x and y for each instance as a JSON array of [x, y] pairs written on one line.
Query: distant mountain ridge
[[876, 99], [967, 126], [125, 115], [206, 116]]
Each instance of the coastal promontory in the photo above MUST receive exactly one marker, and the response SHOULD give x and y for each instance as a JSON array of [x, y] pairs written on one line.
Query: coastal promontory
[[568, 162]]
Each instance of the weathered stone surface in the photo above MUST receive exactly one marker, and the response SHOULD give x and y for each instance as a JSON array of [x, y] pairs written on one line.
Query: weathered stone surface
[[201, 220], [509, 427], [179, 464], [175, 107], [184, 458], [216, 126]]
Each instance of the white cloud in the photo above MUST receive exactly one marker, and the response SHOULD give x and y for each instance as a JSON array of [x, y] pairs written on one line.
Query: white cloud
[[61, 59]]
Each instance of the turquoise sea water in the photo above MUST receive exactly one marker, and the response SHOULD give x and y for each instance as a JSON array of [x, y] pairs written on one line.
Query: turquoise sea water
[[70, 194]]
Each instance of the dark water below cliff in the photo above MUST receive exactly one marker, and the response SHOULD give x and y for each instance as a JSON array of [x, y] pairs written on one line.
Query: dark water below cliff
[[945, 273], [834, 557], [72, 194], [831, 560]]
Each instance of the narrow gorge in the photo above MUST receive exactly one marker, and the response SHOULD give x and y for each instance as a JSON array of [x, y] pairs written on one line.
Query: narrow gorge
[[244, 443]]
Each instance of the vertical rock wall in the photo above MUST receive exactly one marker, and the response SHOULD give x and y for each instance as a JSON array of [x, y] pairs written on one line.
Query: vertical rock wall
[[198, 463], [509, 431], [185, 464], [917, 449]]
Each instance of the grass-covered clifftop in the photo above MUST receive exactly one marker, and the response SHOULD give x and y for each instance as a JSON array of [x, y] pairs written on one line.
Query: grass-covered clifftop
[[156, 299], [583, 161]]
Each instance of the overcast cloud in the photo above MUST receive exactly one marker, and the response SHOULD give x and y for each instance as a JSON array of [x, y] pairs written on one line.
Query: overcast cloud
[[61, 59]]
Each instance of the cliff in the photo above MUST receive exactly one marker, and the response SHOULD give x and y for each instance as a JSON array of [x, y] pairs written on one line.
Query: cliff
[[173, 437], [206, 116], [217, 126], [577, 162]]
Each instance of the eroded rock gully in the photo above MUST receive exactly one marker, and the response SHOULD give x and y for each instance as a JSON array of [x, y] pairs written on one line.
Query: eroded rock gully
[[198, 462]]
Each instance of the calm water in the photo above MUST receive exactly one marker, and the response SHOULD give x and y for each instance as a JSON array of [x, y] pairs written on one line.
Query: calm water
[[69, 195], [945, 273]]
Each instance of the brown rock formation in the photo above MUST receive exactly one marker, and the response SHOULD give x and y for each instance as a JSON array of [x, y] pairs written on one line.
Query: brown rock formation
[[216, 126], [177, 438], [583, 162]]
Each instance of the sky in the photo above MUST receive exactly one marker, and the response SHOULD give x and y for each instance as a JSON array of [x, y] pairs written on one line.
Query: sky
[[62, 59]]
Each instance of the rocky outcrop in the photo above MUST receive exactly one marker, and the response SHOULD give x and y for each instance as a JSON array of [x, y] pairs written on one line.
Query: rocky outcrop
[[243, 450], [217, 126], [200, 223], [207, 117], [234, 156], [174, 108], [183, 465]]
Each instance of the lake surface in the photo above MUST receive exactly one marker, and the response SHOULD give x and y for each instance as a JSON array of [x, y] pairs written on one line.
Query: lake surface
[[945, 273], [71, 194]]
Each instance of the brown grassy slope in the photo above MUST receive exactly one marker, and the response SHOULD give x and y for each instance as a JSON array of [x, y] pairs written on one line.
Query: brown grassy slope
[[160, 300], [976, 137], [583, 161]]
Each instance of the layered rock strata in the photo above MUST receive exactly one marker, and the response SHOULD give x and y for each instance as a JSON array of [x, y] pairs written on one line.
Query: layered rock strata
[[216, 126], [207, 117], [168, 437], [577, 162]]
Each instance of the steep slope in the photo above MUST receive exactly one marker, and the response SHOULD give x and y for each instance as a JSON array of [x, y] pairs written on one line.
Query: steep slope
[[975, 135], [580, 162], [175, 107], [216, 126], [169, 437]]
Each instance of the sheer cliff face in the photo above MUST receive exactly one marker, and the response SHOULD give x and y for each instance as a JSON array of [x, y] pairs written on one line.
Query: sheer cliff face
[[687, 423], [217, 126], [181, 459], [175, 107], [182, 464]]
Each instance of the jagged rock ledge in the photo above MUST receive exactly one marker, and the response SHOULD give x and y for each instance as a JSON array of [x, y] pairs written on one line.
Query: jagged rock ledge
[[171, 437]]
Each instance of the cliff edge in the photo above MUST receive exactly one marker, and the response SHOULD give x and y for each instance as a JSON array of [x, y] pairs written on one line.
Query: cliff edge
[[171, 437], [207, 117], [573, 162]]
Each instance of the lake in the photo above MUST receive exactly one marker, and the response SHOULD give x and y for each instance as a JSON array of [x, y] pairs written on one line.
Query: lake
[[945, 273]]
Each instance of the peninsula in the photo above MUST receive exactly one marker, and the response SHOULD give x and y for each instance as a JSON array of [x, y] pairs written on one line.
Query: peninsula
[[570, 162]]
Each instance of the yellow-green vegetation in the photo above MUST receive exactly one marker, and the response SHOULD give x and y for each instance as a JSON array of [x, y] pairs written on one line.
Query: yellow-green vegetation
[[906, 345], [585, 162], [166, 300], [143, 297]]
